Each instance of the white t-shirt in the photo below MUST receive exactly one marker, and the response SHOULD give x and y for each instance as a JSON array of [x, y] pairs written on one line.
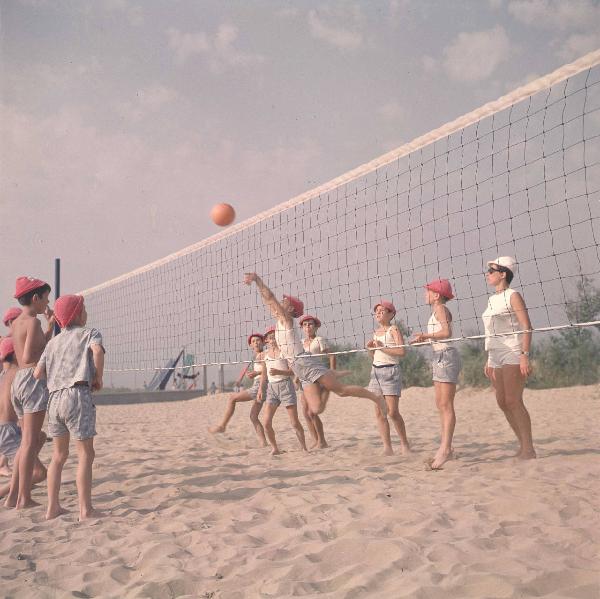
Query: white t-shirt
[[380, 358], [288, 341], [500, 317]]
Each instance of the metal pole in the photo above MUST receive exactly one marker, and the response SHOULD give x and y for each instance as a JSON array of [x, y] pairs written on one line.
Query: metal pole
[[205, 379], [221, 378], [56, 288]]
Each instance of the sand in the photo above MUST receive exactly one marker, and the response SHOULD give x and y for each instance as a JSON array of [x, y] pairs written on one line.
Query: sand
[[197, 515]]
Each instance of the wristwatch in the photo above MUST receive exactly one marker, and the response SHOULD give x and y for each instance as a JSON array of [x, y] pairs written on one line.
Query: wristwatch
[[525, 353]]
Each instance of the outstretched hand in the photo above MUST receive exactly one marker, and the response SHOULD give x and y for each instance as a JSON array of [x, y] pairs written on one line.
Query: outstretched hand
[[250, 277], [419, 338]]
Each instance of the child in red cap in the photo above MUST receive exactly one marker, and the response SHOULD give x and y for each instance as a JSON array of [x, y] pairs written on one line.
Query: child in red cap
[[386, 375], [316, 376], [29, 396], [72, 364], [254, 394], [10, 431], [445, 364]]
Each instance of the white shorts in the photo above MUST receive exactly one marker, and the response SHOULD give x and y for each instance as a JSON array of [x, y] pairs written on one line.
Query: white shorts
[[497, 358]]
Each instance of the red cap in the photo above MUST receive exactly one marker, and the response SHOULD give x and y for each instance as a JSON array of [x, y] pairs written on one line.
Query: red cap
[[441, 286], [11, 314], [67, 308], [387, 305], [309, 317], [6, 347], [297, 304], [26, 284], [269, 330], [255, 335]]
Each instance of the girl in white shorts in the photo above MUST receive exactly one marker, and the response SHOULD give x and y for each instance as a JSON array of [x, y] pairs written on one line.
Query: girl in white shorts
[[386, 375], [445, 364], [280, 391], [254, 394], [508, 351]]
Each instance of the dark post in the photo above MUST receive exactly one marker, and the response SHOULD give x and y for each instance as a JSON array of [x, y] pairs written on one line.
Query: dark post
[[56, 288], [205, 379], [221, 378]]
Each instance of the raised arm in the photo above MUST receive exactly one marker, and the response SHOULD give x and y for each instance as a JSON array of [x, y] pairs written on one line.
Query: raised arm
[[268, 297]]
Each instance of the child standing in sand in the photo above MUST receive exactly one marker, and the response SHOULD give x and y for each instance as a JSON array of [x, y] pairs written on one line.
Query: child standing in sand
[[386, 376], [445, 363], [280, 390], [29, 396], [316, 376], [254, 394], [72, 364]]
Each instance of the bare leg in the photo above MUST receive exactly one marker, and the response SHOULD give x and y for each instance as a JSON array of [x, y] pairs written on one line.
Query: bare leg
[[4, 467], [269, 413], [242, 396], [392, 402], [86, 454], [293, 414], [13, 487], [514, 383], [310, 423], [498, 384], [258, 427], [384, 431], [59, 457], [331, 382], [318, 423], [32, 425], [444, 399]]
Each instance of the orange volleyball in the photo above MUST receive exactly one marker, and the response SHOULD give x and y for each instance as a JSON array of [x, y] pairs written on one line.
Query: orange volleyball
[[222, 214]]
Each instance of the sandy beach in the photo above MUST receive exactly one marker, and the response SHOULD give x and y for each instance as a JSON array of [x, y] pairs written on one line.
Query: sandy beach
[[190, 514]]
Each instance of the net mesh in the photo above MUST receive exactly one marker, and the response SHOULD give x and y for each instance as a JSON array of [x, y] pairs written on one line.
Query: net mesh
[[519, 177]]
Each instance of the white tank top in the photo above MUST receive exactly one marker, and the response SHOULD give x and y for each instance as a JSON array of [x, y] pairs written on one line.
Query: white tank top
[[500, 317], [279, 363], [318, 345], [288, 341], [434, 326], [257, 366], [380, 358]]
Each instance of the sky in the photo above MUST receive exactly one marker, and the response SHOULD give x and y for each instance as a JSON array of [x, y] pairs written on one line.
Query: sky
[[123, 122]]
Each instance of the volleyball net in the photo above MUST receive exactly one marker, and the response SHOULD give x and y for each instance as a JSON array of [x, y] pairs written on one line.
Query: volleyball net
[[519, 176]]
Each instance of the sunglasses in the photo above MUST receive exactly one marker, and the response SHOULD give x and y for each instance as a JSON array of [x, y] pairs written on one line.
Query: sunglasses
[[491, 269]]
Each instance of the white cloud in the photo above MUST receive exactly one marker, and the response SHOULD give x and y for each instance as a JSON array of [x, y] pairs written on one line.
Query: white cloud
[[218, 50], [392, 111], [556, 14], [578, 44], [475, 56], [132, 10], [343, 38], [148, 101], [429, 63]]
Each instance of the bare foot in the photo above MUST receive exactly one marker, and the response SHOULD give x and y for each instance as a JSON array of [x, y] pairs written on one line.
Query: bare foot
[[314, 445], [216, 429], [323, 445], [276, 452], [59, 511], [26, 504], [404, 449], [5, 471], [388, 451], [440, 458], [86, 515], [527, 455], [10, 502]]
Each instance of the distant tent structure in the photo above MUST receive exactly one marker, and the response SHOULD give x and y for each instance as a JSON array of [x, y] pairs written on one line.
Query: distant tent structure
[[161, 378]]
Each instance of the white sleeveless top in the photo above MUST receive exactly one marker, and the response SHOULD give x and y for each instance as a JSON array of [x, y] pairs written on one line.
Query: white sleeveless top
[[257, 366], [318, 345], [288, 341], [500, 317], [279, 363], [434, 326], [380, 358]]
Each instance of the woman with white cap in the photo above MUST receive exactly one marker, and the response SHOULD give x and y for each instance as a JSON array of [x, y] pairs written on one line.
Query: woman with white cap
[[508, 366], [445, 364]]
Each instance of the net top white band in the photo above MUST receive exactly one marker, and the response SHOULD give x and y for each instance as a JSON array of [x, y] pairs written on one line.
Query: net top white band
[[564, 72]]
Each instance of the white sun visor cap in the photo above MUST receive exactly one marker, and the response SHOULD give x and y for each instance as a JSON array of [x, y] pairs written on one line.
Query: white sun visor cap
[[505, 261]]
